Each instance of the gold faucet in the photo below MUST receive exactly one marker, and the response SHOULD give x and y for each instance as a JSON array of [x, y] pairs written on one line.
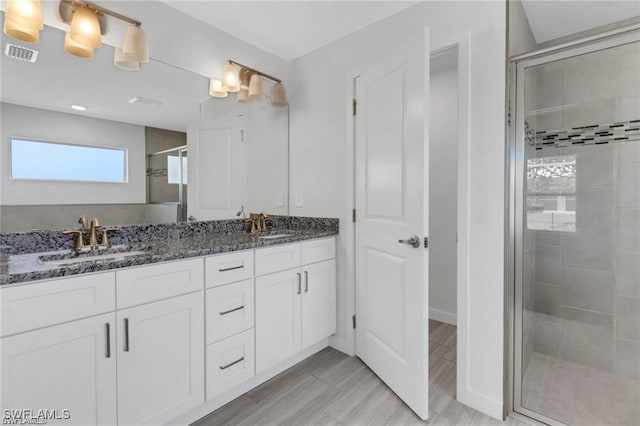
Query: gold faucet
[[79, 244], [258, 222]]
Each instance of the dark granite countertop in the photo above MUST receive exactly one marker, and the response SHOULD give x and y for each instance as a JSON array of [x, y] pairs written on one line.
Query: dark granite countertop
[[25, 267]]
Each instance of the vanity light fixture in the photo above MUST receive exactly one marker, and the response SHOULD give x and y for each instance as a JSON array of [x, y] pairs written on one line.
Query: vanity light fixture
[[215, 89], [231, 78], [256, 89], [248, 84], [23, 20], [88, 23]]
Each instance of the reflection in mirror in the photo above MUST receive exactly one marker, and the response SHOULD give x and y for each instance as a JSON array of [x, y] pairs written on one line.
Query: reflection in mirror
[[145, 113]]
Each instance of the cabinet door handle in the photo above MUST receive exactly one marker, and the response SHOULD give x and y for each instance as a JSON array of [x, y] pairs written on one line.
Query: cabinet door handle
[[299, 283], [126, 334], [224, 367], [306, 281], [232, 310], [232, 268], [107, 329]]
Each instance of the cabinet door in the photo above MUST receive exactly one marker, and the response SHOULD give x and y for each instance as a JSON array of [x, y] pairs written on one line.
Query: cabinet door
[[277, 318], [318, 302], [66, 367], [160, 360]]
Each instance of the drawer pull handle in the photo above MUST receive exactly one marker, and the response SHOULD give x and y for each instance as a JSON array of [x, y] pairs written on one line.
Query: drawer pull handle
[[224, 367], [107, 328], [233, 268], [126, 334], [232, 310], [306, 281], [299, 283]]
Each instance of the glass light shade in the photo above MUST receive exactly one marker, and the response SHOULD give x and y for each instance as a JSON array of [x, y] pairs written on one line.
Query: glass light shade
[[243, 96], [215, 89], [77, 49], [230, 78], [125, 62], [135, 44], [256, 90], [21, 33], [85, 27], [278, 95], [25, 13]]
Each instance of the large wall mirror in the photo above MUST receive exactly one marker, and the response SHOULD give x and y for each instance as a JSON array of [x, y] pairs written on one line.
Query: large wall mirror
[[186, 154]]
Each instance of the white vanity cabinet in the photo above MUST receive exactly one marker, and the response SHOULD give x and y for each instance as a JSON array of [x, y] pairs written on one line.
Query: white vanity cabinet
[[71, 366], [295, 308], [141, 362], [158, 343], [160, 360]]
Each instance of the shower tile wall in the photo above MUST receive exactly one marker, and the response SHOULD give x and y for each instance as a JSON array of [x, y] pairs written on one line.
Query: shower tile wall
[[585, 296]]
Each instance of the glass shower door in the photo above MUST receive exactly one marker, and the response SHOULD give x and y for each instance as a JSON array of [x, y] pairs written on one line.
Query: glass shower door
[[577, 235]]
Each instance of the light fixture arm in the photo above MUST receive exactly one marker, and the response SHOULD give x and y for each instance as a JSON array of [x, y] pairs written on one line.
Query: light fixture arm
[[277, 80], [66, 12]]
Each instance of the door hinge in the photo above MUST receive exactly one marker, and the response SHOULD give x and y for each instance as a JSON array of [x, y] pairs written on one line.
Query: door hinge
[[426, 242], [355, 106], [353, 319], [353, 215], [242, 135]]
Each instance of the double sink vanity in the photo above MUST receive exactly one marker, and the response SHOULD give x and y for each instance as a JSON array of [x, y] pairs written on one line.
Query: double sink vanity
[[168, 324]]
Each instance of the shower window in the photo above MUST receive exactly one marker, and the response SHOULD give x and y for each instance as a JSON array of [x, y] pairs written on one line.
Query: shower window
[[551, 193]]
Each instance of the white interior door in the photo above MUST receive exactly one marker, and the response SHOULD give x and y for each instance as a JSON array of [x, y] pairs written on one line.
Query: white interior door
[[216, 167], [391, 203]]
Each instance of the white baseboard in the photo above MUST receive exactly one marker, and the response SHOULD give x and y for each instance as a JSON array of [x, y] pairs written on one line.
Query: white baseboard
[[442, 316], [481, 403]]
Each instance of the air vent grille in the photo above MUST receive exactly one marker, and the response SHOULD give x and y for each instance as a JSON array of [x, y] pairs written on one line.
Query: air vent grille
[[21, 53]]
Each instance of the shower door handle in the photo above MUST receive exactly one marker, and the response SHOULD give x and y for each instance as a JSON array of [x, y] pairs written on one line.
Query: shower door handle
[[413, 241]]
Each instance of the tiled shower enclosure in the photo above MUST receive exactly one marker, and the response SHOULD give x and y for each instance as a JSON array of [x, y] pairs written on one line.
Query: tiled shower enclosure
[[578, 279]]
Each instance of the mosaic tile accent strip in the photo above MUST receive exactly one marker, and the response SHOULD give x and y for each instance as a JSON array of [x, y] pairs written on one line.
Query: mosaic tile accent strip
[[597, 134]]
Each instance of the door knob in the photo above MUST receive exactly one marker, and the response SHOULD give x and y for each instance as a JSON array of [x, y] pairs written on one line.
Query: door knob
[[414, 241]]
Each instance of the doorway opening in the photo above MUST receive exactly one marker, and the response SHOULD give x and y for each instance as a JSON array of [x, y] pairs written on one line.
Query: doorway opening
[[443, 224]]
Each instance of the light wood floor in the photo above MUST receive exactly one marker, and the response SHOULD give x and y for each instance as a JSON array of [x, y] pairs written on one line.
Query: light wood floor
[[331, 388]]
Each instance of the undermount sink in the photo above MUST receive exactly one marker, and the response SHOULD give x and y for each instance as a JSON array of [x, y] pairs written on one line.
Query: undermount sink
[[107, 255], [274, 236]]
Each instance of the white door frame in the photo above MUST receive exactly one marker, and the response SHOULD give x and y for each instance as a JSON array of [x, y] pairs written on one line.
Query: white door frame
[[463, 43]]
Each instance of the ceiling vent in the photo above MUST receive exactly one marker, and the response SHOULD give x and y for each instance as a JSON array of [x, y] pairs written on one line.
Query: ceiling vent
[[21, 53], [145, 101]]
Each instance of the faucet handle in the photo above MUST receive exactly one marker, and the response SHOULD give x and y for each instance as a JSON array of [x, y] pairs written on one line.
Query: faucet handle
[[105, 236], [82, 220], [79, 243]]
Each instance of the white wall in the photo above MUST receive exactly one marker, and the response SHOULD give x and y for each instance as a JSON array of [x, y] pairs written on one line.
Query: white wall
[[443, 186], [521, 38], [39, 124], [319, 169]]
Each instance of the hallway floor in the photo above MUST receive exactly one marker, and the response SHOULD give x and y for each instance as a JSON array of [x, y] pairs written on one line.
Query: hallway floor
[[331, 388]]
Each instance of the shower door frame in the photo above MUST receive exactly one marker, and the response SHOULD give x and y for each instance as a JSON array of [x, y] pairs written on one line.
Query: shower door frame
[[515, 205]]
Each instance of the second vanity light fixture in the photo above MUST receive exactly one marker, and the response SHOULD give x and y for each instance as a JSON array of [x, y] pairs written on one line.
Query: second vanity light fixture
[[247, 84]]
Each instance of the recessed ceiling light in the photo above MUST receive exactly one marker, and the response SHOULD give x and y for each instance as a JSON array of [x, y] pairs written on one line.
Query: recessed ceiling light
[[78, 107]]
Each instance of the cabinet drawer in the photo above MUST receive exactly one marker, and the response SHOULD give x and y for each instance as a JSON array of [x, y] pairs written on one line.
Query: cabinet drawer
[[158, 281], [230, 362], [31, 306], [229, 310], [278, 258], [229, 268], [317, 250]]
